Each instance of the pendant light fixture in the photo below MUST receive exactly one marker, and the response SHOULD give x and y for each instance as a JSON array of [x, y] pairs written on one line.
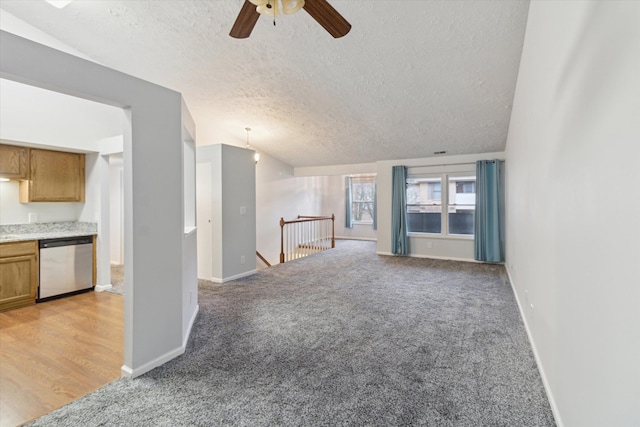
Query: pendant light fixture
[[256, 156]]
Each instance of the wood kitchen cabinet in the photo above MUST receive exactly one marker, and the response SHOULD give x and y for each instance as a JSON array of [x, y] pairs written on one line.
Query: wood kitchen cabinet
[[54, 176], [14, 162], [18, 274]]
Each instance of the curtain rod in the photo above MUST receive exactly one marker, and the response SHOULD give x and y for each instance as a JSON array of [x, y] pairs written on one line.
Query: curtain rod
[[454, 164]]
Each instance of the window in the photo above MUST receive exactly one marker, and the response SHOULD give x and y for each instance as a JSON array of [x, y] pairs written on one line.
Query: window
[[425, 198], [462, 204], [363, 190], [424, 204]]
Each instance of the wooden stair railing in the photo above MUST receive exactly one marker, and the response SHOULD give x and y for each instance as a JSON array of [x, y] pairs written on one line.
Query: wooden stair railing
[[306, 235], [263, 259]]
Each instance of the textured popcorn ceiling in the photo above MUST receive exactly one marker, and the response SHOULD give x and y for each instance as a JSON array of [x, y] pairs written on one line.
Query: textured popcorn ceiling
[[411, 78]]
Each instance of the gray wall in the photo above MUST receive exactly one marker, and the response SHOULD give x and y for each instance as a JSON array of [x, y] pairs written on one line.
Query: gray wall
[[234, 188]]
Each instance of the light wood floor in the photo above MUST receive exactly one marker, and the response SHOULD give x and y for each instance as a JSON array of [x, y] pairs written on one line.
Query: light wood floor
[[57, 351]]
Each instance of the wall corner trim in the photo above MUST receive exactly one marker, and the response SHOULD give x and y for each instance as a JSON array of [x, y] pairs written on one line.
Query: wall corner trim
[[158, 361], [185, 339]]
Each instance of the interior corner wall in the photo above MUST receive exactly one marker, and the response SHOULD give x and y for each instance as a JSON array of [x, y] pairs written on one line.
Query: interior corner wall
[[153, 243], [573, 206], [233, 215], [455, 248], [333, 202]]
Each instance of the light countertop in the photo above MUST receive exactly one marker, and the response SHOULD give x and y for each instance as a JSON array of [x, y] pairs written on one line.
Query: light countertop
[[42, 231]]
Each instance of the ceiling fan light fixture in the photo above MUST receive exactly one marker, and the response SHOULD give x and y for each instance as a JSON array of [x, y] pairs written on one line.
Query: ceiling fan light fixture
[[59, 3], [320, 10], [290, 7], [267, 7]]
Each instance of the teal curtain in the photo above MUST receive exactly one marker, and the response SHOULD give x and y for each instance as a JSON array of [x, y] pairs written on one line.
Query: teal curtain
[[375, 205], [399, 240], [488, 242], [348, 220]]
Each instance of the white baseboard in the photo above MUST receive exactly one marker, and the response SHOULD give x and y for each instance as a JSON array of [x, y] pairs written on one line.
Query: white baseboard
[[432, 257], [543, 375], [102, 288], [126, 371], [366, 239], [191, 322], [237, 276], [158, 361]]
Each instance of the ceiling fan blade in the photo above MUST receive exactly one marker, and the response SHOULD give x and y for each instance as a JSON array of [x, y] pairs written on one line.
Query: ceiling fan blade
[[245, 21], [328, 17]]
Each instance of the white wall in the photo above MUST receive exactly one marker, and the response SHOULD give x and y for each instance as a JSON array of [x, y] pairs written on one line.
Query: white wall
[[14, 212], [116, 209], [50, 119], [573, 206], [450, 247], [331, 185], [36, 117], [280, 194], [153, 313]]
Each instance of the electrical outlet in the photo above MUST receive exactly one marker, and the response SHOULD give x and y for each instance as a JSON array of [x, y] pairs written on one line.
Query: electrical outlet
[[242, 259], [429, 244], [243, 210]]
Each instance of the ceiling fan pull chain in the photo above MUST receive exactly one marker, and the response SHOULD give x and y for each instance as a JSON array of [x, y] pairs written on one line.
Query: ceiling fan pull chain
[[273, 11]]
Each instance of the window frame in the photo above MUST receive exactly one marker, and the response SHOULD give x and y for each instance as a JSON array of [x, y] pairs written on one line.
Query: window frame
[[445, 204], [363, 179]]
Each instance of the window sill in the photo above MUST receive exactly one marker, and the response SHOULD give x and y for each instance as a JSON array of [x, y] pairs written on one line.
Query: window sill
[[440, 236], [362, 223]]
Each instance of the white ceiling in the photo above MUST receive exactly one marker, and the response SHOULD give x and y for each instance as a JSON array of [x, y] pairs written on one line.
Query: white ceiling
[[411, 78]]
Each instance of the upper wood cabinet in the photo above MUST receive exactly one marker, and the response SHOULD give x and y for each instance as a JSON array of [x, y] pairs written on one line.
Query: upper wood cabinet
[[54, 176], [13, 162]]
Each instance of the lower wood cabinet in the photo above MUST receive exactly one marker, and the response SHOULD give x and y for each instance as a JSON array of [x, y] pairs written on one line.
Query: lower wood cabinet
[[18, 274]]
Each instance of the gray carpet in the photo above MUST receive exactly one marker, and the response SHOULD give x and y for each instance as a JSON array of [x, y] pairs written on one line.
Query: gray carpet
[[117, 279], [344, 337]]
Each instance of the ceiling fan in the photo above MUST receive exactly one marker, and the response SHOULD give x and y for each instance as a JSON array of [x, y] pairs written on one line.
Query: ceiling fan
[[320, 10]]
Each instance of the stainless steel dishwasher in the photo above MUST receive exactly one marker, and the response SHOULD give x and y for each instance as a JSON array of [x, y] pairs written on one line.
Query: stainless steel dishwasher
[[66, 266]]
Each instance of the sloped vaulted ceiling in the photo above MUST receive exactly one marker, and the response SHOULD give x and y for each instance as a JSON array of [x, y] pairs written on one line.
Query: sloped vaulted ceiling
[[411, 77]]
